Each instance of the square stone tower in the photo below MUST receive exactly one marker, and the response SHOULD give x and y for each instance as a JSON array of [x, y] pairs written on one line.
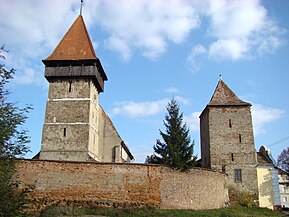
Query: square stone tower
[[76, 77], [75, 127], [227, 140]]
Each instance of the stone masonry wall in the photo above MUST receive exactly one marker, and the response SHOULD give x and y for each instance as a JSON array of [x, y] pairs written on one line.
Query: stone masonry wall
[[120, 185], [232, 145], [70, 130], [205, 139]]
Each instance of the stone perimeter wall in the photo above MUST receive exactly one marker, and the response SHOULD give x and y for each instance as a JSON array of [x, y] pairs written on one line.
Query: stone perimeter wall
[[120, 185]]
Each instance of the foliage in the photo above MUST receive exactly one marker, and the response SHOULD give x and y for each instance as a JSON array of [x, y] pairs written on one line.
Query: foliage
[[283, 160], [237, 211], [243, 198], [13, 142], [177, 149], [13, 201]]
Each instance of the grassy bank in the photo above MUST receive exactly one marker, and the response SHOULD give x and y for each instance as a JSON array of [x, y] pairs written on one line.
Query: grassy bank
[[237, 211]]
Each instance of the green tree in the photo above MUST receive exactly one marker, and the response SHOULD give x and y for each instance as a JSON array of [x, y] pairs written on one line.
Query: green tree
[[13, 142], [283, 160], [176, 150]]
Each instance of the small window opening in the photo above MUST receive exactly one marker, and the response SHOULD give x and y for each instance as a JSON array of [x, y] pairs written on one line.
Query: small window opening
[[64, 132], [224, 168], [70, 84], [230, 123], [240, 138], [232, 156], [238, 175]]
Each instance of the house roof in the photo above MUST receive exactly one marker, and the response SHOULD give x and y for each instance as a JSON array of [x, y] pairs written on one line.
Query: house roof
[[75, 45], [263, 157], [223, 95], [263, 160]]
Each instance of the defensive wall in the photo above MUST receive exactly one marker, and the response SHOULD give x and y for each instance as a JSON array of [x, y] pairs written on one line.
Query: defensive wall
[[120, 185]]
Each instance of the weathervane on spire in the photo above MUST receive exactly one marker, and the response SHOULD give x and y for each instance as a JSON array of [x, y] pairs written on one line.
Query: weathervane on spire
[[221, 78], [81, 2]]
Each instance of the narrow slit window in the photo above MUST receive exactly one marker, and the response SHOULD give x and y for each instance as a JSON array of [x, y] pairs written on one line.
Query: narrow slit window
[[230, 123], [232, 157], [70, 84], [224, 168], [64, 132], [238, 175], [240, 138]]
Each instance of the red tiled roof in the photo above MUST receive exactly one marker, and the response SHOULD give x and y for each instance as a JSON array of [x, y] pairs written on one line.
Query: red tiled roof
[[223, 95], [75, 45]]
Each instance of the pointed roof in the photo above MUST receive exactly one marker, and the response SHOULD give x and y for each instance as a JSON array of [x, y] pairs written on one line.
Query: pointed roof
[[75, 45], [223, 95]]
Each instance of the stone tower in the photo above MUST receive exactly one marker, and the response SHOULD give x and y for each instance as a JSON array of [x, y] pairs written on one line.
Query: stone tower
[[76, 77], [227, 140]]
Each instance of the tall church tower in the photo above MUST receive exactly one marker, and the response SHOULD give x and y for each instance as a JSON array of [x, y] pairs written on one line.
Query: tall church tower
[[76, 77], [227, 140]]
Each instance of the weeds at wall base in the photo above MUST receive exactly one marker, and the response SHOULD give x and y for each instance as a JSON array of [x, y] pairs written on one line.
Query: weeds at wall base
[[236, 211]]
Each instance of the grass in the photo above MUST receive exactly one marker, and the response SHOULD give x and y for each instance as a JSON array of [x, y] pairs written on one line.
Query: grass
[[237, 211]]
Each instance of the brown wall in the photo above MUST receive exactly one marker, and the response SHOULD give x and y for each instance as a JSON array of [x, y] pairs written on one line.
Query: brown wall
[[227, 132], [205, 139], [76, 128], [121, 185]]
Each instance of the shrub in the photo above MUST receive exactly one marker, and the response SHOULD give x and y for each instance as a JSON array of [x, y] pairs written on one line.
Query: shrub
[[243, 198]]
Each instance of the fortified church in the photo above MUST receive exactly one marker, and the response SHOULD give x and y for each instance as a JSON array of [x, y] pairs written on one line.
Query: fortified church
[[76, 127]]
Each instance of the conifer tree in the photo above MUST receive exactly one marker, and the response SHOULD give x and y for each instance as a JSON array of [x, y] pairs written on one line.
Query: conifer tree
[[176, 149]]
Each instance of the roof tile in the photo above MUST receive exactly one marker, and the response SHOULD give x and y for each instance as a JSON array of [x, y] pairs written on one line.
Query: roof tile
[[75, 45], [223, 95]]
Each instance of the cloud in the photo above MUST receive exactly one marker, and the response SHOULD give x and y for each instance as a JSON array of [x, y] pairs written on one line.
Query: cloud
[[144, 109], [182, 100], [262, 115], [172, 90], [147, 26], [119, 45], [140, 109], [193, 121], [228, 49], [31, 30], [235, 30], [29, 76], [194, 59], [241, 28]]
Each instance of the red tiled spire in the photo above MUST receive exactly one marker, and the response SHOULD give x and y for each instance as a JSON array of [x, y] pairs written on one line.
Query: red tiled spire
[[75, 45], [223, 95]]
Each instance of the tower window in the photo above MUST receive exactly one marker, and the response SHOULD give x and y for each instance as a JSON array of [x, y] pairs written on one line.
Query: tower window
[[230, 123], [238, 175], [70, 84], [232, 157], [224, 168], [240, 138], [64, 132]]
